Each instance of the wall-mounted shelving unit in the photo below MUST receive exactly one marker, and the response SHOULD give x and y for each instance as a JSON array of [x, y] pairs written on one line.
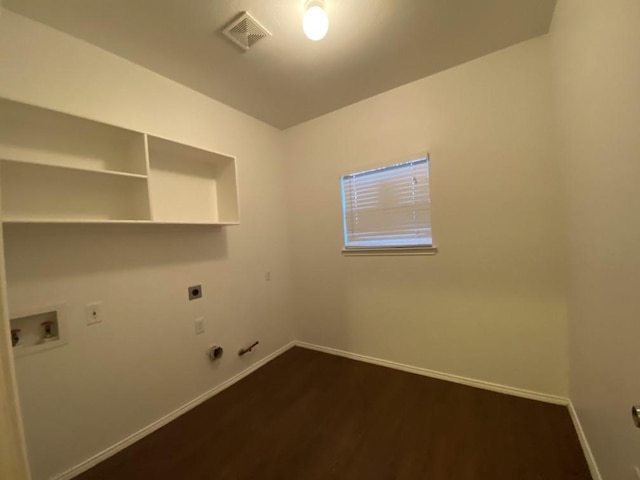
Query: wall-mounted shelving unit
[[58, 168]]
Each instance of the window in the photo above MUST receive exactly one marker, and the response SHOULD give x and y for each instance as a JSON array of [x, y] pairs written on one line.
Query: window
[[388, 209]]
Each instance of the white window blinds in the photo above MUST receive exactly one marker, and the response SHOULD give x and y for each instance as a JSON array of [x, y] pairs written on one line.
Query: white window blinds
[[388, 207]]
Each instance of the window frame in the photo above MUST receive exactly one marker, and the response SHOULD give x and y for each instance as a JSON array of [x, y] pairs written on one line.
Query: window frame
[[385, 250]]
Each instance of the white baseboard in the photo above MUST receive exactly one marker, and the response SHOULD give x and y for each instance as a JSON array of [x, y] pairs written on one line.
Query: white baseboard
[[494, 387], [588, 454], [121, 445]]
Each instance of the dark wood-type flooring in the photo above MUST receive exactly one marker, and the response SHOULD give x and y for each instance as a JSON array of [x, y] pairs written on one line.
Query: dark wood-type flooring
[[312, 416]]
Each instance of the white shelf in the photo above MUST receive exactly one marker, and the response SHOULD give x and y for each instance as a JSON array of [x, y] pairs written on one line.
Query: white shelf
[[79, 169], [59, 169], [26, 220], [18, 220], [202, 184], [33, 192], [33, 134]]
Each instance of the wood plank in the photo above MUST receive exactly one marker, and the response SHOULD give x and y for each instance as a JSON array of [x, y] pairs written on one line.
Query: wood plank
[[308, 415]]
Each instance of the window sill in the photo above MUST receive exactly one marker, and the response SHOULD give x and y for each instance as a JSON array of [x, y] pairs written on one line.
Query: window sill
[[388, 251]]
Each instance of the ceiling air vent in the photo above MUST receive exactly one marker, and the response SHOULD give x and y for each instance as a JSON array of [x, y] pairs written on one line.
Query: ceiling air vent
[[245, 31]]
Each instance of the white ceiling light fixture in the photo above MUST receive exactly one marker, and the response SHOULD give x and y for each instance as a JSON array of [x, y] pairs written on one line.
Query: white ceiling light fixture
[[315, 21]]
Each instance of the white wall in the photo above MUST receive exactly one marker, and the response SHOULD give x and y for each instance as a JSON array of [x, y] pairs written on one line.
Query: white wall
[[597, 79], [144, 360], [13, 459], [490, 305]]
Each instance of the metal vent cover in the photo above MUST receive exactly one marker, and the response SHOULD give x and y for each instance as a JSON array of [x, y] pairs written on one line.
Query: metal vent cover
[[245, 31]]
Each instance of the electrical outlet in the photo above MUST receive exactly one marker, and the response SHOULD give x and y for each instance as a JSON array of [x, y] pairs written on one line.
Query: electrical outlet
[[267, 276], [94, 313], [199, 325], [195, 292]]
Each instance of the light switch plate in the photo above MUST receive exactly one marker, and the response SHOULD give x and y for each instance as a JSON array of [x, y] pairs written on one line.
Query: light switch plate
[[199, 323]]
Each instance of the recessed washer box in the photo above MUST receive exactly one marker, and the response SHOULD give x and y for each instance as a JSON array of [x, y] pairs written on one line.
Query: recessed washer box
[[38, 329]]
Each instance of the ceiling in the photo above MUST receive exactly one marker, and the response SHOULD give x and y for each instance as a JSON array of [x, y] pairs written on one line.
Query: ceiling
[[286, 79]]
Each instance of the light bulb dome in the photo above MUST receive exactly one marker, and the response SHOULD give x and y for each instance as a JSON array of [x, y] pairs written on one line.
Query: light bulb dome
[[315, 21]]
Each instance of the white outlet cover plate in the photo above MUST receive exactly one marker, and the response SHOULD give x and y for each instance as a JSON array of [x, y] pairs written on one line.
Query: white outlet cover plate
[[94, 313]]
